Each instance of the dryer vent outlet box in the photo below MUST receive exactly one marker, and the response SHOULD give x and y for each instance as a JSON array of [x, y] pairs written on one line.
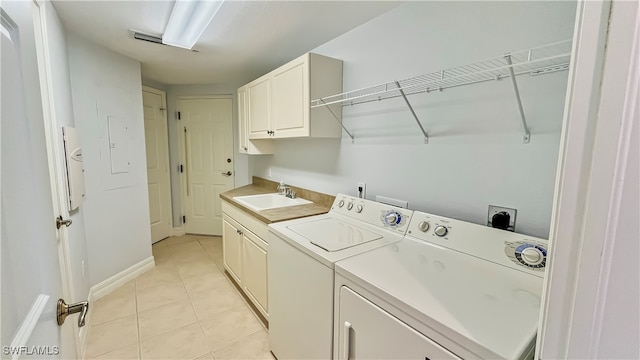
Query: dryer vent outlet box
[[499, 213]]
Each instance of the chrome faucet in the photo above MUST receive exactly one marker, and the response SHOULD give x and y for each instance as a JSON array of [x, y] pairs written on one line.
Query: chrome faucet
[[290, 193]]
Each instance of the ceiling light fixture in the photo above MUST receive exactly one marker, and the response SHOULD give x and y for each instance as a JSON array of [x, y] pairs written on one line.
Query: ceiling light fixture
[[188, 21]]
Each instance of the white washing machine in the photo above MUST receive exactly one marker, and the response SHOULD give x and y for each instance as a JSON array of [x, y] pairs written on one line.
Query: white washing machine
[[301, 259], [448, 290]]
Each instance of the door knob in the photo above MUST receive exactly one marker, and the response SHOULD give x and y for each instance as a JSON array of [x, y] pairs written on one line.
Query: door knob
[[228, 173], [65, 310], [60, 221]]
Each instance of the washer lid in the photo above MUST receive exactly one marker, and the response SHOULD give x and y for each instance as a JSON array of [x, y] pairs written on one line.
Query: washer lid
[[489, 309], [331, 234]]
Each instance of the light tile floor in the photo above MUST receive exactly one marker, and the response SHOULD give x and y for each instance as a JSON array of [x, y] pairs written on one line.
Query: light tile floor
[[185, 308]]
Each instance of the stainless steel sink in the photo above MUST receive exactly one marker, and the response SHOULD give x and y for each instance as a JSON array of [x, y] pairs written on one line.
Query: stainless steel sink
[[269, 201]]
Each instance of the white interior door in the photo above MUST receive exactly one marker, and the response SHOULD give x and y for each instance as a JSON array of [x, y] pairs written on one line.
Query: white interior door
[[31, 272], [157, 145], [208, 151]]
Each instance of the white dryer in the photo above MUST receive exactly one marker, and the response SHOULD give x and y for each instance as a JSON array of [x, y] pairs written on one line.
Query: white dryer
[[449, 290], [301, 259]]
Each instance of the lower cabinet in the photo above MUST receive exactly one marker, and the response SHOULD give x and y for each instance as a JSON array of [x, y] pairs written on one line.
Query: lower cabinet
[[245, 254], [254, 279]]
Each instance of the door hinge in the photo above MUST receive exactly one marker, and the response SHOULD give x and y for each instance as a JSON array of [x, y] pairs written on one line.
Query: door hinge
[[181, 168], [179, 116], [185, 129], [184, 219]]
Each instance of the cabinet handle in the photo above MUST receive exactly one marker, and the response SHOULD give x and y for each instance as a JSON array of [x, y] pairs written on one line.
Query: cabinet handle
[[346, 328]]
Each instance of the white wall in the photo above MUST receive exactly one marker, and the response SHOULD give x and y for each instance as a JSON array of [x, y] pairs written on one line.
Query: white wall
[[63, 116], [104, 84], [174, 92], [475, 156]]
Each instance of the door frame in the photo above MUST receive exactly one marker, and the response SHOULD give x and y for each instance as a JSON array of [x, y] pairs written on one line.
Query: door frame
[[183, 155], [163, 96], [586, 199]]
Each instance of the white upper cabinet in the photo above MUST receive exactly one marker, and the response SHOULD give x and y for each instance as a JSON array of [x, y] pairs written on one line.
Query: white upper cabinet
[[279, 102], [259, 107], [247, 146]]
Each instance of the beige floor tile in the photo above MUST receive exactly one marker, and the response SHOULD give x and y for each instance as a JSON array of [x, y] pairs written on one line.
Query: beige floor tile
[[160, 295], [193, 246], [198, 268], [205, 284], [112, 335], [224, 298], [160, 275], [117, 304], [131, 352], [164, 263], [254, 346], [166, 317], [189, 258], [229, 327], [161, 250], [183, 343], [211, 242], [177, 240], [207, 356]]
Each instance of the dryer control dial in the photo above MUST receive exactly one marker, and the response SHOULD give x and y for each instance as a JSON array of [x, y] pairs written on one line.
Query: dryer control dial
[[350, 206], [440, 230], [423, 226], [359, 208], [531, 255], [341, 203]]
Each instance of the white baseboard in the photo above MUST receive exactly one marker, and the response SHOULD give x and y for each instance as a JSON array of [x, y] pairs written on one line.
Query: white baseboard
[[179, 231], [99, 290], [105, 287], [28, 324]]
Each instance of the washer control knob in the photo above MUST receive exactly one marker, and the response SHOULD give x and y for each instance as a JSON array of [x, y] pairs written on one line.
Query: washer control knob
[[359, 208], [341, 203], [423, 226], [532, 256], [350, 206], [440, 230], [391, 218]]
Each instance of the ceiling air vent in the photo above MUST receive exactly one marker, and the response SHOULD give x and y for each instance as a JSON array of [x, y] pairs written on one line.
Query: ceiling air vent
[[147, 37]]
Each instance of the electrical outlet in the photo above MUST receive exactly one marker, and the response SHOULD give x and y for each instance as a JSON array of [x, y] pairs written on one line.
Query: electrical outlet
[[493, 209], [361, 190]]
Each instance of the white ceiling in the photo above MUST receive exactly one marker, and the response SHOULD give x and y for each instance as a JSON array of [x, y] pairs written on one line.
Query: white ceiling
[[245, 40]]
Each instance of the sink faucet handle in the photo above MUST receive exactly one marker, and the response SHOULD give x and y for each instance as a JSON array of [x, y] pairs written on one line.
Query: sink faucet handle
[[282, 188], [290, 193]]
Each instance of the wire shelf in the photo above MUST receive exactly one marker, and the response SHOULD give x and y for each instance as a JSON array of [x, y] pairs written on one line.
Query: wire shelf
[[534, 61]]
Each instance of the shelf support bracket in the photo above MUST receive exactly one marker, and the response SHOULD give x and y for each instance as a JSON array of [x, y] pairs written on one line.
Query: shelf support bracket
[[527, 135], [339, 122], [404, 96]]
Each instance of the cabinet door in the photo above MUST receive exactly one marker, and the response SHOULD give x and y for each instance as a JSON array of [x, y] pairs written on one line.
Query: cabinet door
[[254, 272], [232, 248], [259, 109], [290, 113], [366, 331]]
